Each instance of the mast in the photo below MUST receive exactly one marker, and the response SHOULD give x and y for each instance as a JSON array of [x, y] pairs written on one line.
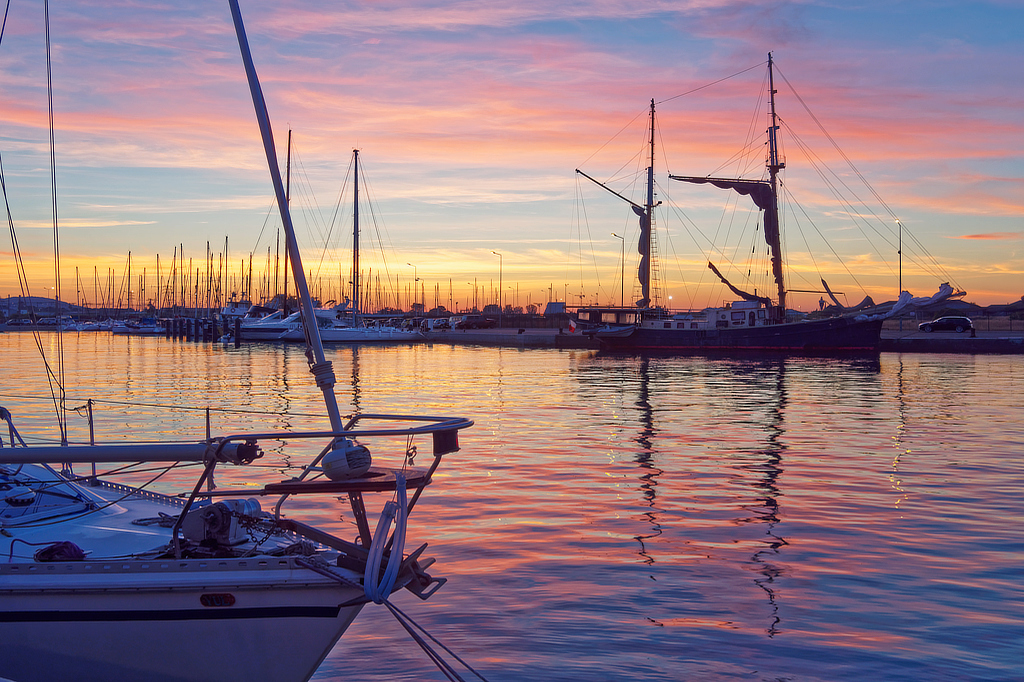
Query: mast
[[319, 366], [355, 241], [287, 201], [774, 166], [646, 214], [646, 224]]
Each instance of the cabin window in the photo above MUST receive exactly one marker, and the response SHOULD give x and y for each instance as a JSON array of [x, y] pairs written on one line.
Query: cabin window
[[738, 316], [693, 325], [667, 325], [680, 325], [609, 318]]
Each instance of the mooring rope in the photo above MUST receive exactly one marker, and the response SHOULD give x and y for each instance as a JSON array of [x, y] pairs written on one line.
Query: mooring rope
[[445, 667], [378, 590]]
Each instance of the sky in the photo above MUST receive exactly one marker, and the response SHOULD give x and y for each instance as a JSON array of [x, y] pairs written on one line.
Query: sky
[[471, 119]]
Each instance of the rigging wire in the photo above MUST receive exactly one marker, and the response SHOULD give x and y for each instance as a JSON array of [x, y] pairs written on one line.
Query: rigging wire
[[380, 230], [863, 179], [59, 378], [335, 214], [53, 378], [816, 164], [657, 283], [708, 85], [815, 226]]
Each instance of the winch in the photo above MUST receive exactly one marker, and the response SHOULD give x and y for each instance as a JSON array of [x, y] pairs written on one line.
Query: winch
[[219, 523]]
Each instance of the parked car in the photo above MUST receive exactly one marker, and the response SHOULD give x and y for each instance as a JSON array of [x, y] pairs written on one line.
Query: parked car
[[475, 322], [435, 324], [947, 324]]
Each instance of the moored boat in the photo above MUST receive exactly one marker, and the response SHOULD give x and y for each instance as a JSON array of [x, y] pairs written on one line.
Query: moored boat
[[115, 582], [754, 322], [91, 562]]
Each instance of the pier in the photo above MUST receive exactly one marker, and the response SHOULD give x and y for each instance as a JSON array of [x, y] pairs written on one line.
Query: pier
[[894, 341]]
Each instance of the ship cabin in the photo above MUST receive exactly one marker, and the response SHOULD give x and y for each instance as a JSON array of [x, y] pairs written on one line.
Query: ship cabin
[[737, 314], [606, 316]]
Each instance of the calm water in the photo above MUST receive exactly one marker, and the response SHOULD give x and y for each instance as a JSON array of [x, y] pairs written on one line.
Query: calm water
[[615, 518]]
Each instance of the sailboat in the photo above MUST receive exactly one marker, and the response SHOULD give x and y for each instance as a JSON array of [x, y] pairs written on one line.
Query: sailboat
[[754, 322], [108, 582], [352, 330]]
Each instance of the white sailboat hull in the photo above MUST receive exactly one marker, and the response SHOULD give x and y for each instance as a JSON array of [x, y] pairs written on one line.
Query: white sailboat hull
[[216, 620], [365, 335]]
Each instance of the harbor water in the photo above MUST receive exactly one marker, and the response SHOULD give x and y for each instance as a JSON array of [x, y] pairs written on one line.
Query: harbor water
[[633, 518]]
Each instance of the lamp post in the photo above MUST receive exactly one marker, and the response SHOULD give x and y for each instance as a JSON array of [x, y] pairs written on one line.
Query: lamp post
[[899, 252], [415, 279], [622, 271], [500, 307]]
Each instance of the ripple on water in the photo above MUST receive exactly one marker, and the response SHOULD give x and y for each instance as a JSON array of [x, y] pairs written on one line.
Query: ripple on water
[[616, 518]]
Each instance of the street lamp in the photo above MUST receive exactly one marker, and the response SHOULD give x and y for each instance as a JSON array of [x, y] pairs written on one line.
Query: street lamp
[[622, 271], [414, 280], [500, 307], [899, 252]]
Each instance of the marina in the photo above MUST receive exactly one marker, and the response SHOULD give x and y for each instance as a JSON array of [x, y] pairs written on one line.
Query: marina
[[624, 518], [281, 461]]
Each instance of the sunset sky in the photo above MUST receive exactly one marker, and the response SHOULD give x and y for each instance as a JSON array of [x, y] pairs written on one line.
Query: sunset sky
[[471, 118]]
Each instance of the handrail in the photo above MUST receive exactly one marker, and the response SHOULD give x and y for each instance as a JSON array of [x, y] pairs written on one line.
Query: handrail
[[441, 424], [197, 452]]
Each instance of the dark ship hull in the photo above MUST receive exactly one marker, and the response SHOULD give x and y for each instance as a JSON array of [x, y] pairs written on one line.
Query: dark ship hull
[[831, 335]]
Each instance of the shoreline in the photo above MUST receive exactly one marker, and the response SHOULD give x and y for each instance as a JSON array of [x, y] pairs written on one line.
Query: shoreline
[[892, 341]]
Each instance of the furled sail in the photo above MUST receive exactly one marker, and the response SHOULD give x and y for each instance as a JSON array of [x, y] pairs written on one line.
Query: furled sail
[[644, 249], [739, 292], [758, 190]]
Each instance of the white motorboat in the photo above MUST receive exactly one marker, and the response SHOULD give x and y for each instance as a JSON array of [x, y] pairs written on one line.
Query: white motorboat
[[271, 327], [278, 327], [140, 328], [109, 582]]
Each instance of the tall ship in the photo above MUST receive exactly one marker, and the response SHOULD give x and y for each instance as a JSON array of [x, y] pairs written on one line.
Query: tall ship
[[752, 322]]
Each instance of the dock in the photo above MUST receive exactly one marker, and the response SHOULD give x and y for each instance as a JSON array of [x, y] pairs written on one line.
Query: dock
[[892, 341]]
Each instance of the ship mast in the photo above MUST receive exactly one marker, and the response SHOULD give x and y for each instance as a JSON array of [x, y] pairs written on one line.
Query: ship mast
[[647, 225], [355, 242], [646, 213], [774, 166]]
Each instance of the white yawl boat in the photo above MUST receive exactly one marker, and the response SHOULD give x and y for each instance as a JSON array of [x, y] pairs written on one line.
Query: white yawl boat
[[106, 582]]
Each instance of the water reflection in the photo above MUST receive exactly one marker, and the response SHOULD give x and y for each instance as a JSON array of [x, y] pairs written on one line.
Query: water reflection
[[766, 471], [720, 425], [645, 459], [894, 477], [586, 475]]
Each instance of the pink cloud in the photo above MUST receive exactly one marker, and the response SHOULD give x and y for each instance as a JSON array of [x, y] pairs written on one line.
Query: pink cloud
[[993, 236]]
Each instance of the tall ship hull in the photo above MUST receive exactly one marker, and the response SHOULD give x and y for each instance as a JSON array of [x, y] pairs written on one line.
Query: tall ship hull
[[757, 320], [836, 334]]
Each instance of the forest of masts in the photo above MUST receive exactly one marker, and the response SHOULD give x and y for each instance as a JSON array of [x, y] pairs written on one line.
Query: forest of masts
[[198, 288]]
